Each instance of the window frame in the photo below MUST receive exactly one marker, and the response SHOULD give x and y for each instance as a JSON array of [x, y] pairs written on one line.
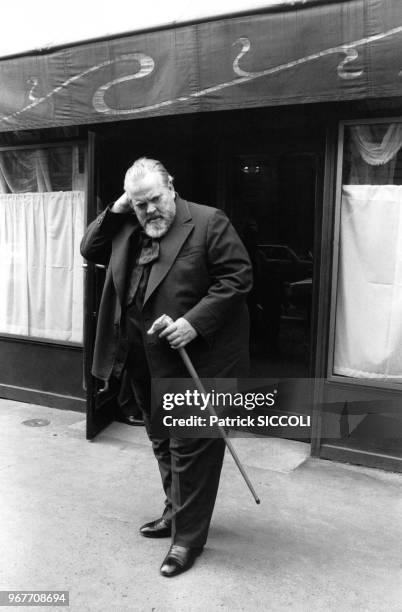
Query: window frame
[[331, 377], [48, 145]]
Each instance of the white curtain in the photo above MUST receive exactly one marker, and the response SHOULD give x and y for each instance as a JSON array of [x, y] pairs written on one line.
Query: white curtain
[[368, 333], [41, 271]]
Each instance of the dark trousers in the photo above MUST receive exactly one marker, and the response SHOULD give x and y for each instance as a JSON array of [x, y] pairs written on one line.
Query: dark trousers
[[190, 469]]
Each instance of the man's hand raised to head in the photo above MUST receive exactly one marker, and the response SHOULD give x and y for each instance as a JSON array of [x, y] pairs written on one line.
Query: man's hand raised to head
[[122, 205], [178, 333]]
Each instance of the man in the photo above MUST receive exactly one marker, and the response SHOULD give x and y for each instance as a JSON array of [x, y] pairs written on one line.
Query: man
[[169, 256]]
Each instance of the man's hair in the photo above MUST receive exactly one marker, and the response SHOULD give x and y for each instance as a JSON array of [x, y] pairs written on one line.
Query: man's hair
[[143, 166]]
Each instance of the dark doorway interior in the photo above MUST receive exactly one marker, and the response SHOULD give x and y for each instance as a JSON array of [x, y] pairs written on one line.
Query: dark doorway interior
[[261, 167], [274, 199]]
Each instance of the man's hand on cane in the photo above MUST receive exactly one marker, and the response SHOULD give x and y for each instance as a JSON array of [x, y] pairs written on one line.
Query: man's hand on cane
[[178, 333]]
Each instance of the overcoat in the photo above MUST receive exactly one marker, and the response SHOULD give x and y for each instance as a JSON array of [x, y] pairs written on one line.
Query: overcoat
[[203, 274]]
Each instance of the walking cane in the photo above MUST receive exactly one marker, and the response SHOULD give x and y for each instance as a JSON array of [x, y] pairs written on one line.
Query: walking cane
[[160, 324]]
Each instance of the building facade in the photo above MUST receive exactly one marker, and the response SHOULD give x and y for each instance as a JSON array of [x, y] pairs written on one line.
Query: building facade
[[289, 119]]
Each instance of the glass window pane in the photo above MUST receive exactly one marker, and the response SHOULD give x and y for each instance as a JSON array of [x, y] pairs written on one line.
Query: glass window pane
[[42, 209], [368, 328]]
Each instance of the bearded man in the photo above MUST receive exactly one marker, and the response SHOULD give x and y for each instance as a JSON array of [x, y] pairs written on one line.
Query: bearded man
[[169, 256]]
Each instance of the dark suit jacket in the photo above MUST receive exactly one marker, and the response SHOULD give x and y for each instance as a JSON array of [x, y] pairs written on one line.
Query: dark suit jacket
[[203, 274]]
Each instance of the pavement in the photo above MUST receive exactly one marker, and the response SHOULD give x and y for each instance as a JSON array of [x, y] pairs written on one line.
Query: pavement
[[327, 536]]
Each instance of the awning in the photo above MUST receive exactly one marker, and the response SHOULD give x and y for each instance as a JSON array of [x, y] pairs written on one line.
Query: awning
[[322, 52]]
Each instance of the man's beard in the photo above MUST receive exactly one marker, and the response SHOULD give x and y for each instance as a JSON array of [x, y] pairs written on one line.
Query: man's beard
[[156, 228]]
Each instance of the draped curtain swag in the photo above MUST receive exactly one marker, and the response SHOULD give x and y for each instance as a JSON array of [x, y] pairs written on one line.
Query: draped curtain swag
[[377, 153]]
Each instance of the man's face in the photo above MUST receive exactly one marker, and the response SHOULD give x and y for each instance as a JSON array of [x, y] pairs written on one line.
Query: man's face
[[153, 203]]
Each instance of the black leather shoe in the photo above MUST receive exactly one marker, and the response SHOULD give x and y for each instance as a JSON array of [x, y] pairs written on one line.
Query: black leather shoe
[[129, 420], [179, 559], [157, 529]]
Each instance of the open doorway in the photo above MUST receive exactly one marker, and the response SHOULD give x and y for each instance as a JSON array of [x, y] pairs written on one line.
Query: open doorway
[[265, 179]]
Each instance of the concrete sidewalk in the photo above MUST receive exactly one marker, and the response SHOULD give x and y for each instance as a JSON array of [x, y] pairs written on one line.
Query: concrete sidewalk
[[326, 536]]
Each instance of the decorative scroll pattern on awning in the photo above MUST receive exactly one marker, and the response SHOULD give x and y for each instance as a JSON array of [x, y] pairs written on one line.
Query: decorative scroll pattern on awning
[[338, 51]]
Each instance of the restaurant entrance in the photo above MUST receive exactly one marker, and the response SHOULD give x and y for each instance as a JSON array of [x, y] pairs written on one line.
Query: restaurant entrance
[[267, 181]]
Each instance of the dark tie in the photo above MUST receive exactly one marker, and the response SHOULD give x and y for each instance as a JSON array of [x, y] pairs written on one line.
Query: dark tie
[[149, 252]]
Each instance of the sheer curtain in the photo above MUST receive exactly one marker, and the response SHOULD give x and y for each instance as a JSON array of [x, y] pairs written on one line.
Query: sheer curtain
[[368, 339], [42, 170], [41, 271], [368, 331]]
